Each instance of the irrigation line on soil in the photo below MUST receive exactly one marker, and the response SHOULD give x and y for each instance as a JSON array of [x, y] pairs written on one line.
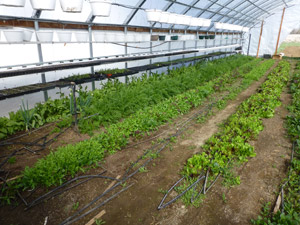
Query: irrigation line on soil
[[28, 149], [27, 133], [179, 131], [67, 221], [48, 195], [161, 205], [98, 206], [213, 182], [288, 180]]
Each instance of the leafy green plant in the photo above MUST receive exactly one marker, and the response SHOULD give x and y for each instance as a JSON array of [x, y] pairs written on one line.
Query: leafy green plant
[[12, 160], [68, 160], [27, 114], [99, 222], [75, 206], [231, 143]]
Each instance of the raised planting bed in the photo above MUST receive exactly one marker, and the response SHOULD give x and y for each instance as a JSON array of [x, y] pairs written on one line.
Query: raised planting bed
[[117, 135], [231, 144], [287, 207], [84, 78]]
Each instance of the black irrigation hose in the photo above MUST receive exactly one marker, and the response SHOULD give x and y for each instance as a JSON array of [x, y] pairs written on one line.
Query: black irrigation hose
[[162, 205], [91, 203], [213, 182], [29, 132], [67, 221], [34, 152], [283, 186], [125, 177], [98, 206], [49, 194], [9, 156]]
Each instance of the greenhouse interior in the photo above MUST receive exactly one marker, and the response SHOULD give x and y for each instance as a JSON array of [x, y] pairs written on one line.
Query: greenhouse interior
[[159, 112]]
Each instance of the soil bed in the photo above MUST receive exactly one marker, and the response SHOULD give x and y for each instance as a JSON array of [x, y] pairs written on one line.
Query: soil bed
[[138, 205]]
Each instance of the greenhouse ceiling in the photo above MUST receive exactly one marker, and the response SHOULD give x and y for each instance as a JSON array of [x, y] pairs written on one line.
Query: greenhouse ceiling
[[245, 13]]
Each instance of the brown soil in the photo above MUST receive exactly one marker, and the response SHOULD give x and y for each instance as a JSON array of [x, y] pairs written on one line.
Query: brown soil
[[138, 205], [292, 51]]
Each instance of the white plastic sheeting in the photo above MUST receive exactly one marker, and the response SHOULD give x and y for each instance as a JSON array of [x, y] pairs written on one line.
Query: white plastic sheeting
[[271, 30]]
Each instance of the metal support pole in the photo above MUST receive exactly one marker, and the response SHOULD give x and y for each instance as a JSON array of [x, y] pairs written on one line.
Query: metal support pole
[[227, 37], [151, 46], [279, 33], [40, 52], [261, 31], [232, 40], [248, 51], [126, 52], [205, 46], [169, 49], [221, 41], [214, 42], [74, 101], [184, 44], [91, 53], [196, 42]]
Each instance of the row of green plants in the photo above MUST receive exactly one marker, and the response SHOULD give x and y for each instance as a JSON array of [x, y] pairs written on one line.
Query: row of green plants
[[290, 212], [77, 77], [117, 100], [70, 159], [231, 144]]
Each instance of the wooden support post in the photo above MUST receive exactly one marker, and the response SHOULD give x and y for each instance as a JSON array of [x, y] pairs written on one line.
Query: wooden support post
[[261, 31], [282, 17]]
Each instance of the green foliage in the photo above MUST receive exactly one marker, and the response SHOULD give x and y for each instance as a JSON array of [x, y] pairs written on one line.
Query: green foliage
[[99, 222], [290, 214], [27, 114], [112, 71], [231, 143], [75, 206], [68, 160], [12, 160]]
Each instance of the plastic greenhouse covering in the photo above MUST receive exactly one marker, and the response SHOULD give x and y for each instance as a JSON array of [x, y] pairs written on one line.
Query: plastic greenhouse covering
[[132, 14], [169, 112]]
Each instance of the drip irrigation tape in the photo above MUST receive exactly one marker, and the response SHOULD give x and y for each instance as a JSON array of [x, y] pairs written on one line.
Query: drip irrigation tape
[[9, 156], [98, 206], [161, 205], [21, 197], [213, 182], [27, 133], [205, 182], [139, 159], [288, 180], [199, 193], [91, 203], [28, 149], [49, 194]]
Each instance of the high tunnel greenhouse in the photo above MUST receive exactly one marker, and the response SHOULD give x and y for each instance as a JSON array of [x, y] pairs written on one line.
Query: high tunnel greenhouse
[[168, 112]]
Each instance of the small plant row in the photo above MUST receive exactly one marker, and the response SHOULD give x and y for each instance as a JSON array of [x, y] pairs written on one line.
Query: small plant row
[[108, 72], [117, 100], [231, 144], [70, 159], [290, 210]]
